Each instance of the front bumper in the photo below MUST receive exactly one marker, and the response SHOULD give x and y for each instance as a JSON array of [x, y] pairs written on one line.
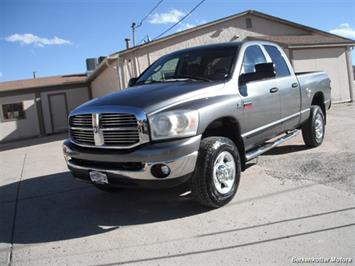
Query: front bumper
[[179, 155]]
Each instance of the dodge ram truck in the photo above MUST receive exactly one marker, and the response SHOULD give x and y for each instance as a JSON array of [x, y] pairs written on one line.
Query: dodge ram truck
[[196, 117]]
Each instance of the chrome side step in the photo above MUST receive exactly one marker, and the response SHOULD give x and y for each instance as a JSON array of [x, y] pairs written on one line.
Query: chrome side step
[[266, 147]]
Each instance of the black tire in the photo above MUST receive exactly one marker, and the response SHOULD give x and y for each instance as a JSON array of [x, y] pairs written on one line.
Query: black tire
[[202, 182], [309, 130], [106, 188]]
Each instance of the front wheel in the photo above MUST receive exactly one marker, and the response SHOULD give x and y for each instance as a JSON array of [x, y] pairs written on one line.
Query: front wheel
[[217, 173], [313, 130]]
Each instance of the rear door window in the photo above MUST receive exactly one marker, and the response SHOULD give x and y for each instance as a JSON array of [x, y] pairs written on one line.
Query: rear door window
[[277, 58]]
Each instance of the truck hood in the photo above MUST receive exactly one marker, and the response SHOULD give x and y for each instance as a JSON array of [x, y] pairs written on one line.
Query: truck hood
[[152, 97]]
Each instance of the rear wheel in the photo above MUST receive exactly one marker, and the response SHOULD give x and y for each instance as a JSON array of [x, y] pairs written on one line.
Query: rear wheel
[[313, 130], [217, 173]]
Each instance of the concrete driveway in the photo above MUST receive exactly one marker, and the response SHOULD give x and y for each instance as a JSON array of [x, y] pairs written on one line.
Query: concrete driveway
[[294, 203]]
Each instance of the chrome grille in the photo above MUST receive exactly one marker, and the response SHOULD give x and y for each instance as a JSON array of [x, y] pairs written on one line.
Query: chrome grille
[[115, 137], [118, 120], [83, 136], [111, 130], [81, 121]]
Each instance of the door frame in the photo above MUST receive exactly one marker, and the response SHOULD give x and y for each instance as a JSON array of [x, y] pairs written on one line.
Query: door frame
[[50, 107]]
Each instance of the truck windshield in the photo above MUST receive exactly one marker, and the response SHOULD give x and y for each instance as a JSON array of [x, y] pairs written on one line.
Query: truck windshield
[[209, 64]]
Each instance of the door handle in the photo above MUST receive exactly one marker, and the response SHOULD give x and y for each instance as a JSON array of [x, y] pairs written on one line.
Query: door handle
[[273, 90], [294, 85]]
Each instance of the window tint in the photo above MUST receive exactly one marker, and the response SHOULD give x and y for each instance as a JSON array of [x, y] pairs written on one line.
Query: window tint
[[253, 55], [280, 63], [210, 64], [165, 71], [13, 111]]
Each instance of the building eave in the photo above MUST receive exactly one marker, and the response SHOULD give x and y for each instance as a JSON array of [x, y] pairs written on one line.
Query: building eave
[[323, 45]]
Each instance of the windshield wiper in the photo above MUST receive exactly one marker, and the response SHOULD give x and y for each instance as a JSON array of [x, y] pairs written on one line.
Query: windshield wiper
[[183, 78], [193, 77]]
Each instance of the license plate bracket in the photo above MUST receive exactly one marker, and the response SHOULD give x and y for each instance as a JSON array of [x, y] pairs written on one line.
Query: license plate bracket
[[98, 177]]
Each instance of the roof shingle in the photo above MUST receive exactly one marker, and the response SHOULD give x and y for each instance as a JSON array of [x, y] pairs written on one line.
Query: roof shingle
[[43, 82]]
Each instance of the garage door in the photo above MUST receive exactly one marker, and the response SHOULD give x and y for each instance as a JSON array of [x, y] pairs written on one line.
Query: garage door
[[59, 112], [330, 60]]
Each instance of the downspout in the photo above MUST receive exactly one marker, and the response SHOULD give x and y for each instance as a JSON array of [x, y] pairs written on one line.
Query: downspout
[[116, 57], [118, 72], [350, 73]]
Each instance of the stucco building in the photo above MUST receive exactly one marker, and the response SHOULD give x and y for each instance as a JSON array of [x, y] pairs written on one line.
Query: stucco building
[[40, 106], [308, 49]]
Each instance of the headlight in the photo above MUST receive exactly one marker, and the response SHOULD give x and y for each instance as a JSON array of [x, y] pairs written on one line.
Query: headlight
[[175, 124]]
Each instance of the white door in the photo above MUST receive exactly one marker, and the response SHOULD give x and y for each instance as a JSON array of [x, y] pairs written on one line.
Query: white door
[[59, 112]]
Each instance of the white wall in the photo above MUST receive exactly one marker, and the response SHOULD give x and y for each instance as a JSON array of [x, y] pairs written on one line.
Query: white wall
[[330, 60], [75, 97], [22, 128]]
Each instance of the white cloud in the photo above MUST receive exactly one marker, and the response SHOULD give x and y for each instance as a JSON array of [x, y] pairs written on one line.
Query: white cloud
[[29, 38], [185, 26], [1, 74], [344, 30], [172, 16]]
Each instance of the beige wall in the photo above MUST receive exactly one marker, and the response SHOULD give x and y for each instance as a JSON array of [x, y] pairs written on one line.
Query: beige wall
[[330, 60], [22, 128], [106, 82], [223, 32], [75, 97]]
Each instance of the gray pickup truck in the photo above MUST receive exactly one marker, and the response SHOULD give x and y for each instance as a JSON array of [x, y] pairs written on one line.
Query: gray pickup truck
[[196, 116]]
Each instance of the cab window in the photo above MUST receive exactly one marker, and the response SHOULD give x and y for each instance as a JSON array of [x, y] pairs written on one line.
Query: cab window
[[253, 55], [281, 67]]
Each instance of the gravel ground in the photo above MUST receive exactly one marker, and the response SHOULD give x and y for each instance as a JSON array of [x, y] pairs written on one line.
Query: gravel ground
[[335, 168], [293, 203]]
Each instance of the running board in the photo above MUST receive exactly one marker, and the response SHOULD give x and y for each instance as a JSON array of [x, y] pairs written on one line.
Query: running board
[[266, 147]]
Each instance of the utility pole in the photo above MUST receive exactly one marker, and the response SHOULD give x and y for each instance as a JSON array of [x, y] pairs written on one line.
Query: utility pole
[[34, 74], [134, 26]]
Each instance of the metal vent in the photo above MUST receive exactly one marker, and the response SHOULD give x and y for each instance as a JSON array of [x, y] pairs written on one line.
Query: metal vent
[[120, 130]]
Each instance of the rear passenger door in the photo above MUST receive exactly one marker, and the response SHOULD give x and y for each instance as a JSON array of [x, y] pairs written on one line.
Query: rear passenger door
[[260, 102], [288, 87]]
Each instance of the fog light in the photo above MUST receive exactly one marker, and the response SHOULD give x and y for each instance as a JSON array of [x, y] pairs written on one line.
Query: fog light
[[165, 169], [66, 152], [160, 170]]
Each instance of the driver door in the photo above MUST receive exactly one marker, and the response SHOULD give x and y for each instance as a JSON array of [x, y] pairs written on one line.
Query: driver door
[[260, 101]]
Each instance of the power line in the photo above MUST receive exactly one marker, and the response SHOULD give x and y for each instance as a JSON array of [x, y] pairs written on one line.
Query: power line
[[149, 13], [135, 26], [188, 14]]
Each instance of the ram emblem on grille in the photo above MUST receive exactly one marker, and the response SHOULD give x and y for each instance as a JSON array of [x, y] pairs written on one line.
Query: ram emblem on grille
[[98, 135]]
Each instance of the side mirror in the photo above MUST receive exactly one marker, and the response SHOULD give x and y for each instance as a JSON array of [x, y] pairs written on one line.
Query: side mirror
[[132, 81], [262, 71]]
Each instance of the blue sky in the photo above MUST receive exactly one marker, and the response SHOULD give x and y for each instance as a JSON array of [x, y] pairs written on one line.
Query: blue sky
[[55, 37]]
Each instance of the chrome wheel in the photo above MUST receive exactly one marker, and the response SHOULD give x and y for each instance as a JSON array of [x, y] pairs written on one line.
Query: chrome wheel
[[319, 127], [224, 172]]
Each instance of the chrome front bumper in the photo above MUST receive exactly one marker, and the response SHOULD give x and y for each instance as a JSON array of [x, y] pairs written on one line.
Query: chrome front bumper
[[179, 167], [179, 155]]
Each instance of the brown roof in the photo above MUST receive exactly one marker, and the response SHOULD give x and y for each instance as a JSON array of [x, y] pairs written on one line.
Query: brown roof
[[43, 82], [290, 40]]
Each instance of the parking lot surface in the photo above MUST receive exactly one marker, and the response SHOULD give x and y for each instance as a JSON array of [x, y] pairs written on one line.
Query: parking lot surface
[[292, 203]]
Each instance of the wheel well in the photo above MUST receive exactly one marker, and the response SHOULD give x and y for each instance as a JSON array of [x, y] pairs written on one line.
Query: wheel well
[[318, 99], [227, 127]]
